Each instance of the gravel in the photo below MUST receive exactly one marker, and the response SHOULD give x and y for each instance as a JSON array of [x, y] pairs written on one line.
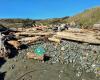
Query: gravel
[[87, 55], [69, 61]]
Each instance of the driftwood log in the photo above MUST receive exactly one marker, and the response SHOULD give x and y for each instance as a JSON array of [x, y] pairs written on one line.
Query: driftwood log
[[34, 34], [29, 40], [54, 39], [16, 44], [80, 35]]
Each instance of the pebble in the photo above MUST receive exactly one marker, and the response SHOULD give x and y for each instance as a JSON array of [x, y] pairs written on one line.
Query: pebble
[[93, 65], [12, 67], [70, 60], [78, 74], [62, 48], [15, 60], [83, 79], [25, 67], [23, 79], [54, 62], [61, 71], [24, 60]]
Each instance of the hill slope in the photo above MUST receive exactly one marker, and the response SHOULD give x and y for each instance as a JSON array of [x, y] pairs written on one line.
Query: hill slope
[[87, 18]]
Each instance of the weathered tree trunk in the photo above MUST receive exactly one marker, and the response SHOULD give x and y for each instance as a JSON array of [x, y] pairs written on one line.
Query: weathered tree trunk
[[33, 34], [80, 35], [29, 40]]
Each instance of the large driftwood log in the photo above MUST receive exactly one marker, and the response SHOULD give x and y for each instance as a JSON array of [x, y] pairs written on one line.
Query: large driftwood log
[[79, 35], [29, 40], [34, 34]]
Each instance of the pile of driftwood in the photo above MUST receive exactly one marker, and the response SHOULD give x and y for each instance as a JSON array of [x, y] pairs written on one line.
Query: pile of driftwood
[[28, 37], [73, 34]]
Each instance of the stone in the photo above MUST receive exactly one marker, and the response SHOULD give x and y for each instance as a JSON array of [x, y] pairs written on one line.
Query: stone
[[62, 48], [12, 67]]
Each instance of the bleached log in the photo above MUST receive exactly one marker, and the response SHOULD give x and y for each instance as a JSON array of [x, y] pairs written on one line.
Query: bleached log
[[54, 39], [80, 35], [34, 34], [29, 40]]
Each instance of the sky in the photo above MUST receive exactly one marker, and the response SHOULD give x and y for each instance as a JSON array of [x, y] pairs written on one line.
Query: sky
[[43, 9]]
